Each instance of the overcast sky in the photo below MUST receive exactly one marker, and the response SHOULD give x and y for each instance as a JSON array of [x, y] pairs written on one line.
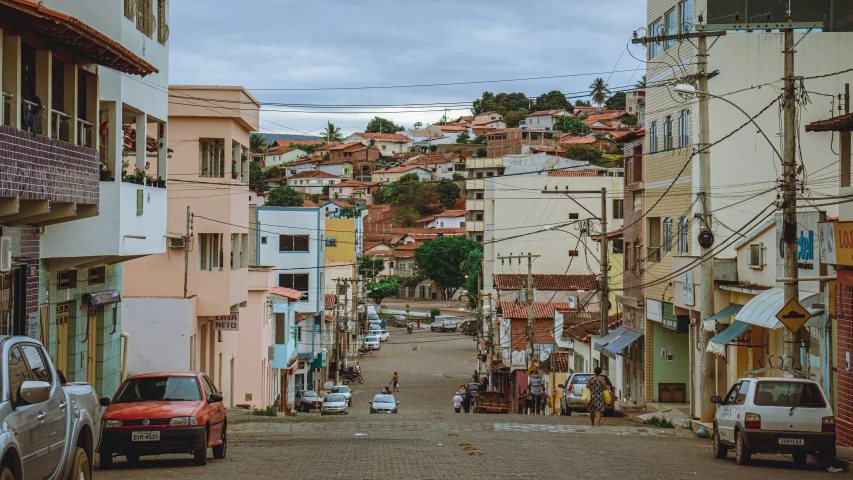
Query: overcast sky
[[268, 44]]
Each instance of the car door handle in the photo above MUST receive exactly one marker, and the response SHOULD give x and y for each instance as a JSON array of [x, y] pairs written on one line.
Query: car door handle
[[41, 416], [62, 406]]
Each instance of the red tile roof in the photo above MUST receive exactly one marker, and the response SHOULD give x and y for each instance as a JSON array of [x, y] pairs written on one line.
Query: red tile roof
[[394, 137], [309, 204], [313, 174], [330, 318], [402, 169], [559, 361], [547, 150], [519, 310], [342, 204], [584, 331], [541, 281], [299, 317], [453, 128], [331, 301], [435, 159], [578, 141], [487, 122], [78, 37], [356, 184], [287, 293], [344, 146], [287, 142], [274, 151], [609, 115], [543, 113], [572, 173]]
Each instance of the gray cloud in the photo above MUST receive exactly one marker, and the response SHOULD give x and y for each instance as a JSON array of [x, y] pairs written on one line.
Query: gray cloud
[[291, 44]]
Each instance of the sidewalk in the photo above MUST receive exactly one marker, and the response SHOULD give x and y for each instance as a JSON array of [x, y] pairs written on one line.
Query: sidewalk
[[677, 413]]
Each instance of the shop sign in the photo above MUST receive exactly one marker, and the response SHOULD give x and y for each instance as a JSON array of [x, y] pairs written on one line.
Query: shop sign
[[844, 243], [228, 323], [653, 310], [678, 323], [808, 255], [826, 242]]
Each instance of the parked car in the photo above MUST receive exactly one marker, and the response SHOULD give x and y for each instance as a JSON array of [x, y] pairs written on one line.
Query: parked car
[[374, 328], [371, 342], [444, 323], [473, 389], [571, 400], [160, 413], [398, 321], [306, 400], [384, 403], [775, 415], [384, 336], [50, 439], [343, 390], [334, 403]]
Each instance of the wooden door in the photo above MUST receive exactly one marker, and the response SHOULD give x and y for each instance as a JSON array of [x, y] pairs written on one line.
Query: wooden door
[[92, 346], [63, 311]]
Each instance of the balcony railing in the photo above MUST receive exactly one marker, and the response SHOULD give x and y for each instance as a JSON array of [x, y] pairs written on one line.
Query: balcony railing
[[85, 133], [653, 254], [31, 113], [61, 125], [6, 109]]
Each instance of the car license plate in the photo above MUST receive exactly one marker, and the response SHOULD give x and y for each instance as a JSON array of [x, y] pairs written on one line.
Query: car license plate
[[145, 436], [791, 441]]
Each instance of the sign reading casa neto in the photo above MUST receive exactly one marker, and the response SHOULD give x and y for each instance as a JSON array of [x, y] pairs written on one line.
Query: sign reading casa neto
[[226, 322]]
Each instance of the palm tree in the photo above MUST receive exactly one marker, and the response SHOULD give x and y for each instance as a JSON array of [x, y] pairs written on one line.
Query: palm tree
[[641, 83], [332, 133], [258, 143], [599, 91]]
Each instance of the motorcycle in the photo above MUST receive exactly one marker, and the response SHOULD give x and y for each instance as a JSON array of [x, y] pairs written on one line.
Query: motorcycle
[[409, 328], [352, 377], [364, 351]]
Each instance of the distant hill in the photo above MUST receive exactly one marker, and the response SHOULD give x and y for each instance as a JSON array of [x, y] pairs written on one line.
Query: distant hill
[[272, 137]]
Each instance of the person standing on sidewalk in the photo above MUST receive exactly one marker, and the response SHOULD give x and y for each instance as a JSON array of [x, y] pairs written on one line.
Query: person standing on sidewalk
[[395, 381], [596, 385], [419, 324], [457, 402], [466, 403], [536, 385], [522, 401]]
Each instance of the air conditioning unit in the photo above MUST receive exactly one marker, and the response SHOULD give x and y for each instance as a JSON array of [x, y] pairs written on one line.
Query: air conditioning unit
[[177, 243], [5, 254]]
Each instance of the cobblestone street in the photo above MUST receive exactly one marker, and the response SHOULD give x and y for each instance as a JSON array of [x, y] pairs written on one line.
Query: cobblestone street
[[427, 440]]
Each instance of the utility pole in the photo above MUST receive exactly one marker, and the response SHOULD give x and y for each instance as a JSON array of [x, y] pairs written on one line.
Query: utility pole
[[789, 190], [844, 139], [187, 251], [604, 288], [529, 291]]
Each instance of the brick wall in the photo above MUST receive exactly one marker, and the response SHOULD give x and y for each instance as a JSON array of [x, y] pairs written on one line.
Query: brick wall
[[38, 168], [844, 326], [30, 258]]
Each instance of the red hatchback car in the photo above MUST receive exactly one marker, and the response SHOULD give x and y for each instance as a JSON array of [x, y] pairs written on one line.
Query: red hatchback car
[[159, 413]]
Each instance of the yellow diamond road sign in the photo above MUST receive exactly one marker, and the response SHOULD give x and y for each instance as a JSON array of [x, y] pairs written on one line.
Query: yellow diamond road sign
[[793, 316]]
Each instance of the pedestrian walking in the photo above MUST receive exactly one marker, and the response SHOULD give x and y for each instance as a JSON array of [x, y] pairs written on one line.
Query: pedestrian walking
[[466, 403], [357, 368], [457, 402], [476, 377], [537, 388], [395, 382], [522, 401], [419, 324], [596, 385]]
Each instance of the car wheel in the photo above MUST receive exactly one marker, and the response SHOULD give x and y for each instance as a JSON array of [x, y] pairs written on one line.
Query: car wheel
[[6, 474], [106, 460], [80, 468], [827, 458], [132, 458], [800, 457], [200, 456], [720, 450], [220, 450], [742, 453]]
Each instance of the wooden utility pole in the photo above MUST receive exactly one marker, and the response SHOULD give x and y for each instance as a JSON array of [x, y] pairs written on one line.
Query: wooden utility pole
[[845, 142], [604, 288], [789, 190], [529, 294], [187, 251]]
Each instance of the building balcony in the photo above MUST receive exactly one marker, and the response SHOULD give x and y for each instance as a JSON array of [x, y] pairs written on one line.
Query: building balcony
[[131, 223], [475, 184], [488, 162], [46, 181], [475, 226]]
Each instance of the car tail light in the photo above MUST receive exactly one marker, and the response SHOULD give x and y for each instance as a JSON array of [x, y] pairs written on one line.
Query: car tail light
[[752, 421], [828, 425]]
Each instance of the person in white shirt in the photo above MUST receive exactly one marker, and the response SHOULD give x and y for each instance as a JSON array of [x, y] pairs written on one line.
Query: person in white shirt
[[457, 402], [536, 385]]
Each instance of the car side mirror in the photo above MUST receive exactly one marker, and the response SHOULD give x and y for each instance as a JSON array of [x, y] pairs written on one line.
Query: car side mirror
[[717, 399], [561, 386], [370, 402], [214, 398], [105, 401], [398, 402], [34, 391]]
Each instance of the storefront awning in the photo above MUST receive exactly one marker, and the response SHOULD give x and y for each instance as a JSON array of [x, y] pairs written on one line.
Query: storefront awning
[[102, 298], [710, 324], [601, 342], [627, 337], [761, 310], [718, 343]]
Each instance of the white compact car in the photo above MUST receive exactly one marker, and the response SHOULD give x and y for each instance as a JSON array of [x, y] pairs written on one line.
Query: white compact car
[[384, 336], [334, 403], [372, 342], [775, 415]]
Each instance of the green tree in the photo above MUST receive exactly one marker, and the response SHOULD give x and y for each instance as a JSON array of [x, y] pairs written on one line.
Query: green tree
[[433, 148], [382, 125], [380, 195], [378, 291], [582, 103], [332, 133], [484, 104], [306, 147], [473, 267], [482, 152], [480, 139], [582, 152], [571, 125], [448, 193], [616, 101], [553, 100], [258, 143], [256, 177], [512, 117], [406, 217], [641, 83], [274, 172], [369, 266], [463, 137], [348, 212], [283, 197], [598, 91], [630, 120], [458, 177], [441, 260], [418, 125]]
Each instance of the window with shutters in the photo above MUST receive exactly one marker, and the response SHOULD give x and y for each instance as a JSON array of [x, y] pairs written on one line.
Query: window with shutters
[[653, 137], [683, 236], [210, 252], [145, 17], [666, 238], [162, 26], [66, 280], [97, 275], [756, 255], [293, 243], [130, 9], [296, 281]]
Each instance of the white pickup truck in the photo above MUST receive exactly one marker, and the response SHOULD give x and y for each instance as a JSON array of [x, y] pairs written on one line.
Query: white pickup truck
[[56, 425], [444, 323]]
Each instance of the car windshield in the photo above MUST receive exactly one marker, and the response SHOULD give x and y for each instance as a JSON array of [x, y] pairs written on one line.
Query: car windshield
[[309, 393], [335, 398], [371, 338], [159, 389], [788, 394], [384, 399], [340, 389], [581, 379]]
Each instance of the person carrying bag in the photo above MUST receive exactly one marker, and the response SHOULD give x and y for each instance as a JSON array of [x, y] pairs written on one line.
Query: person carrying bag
[[597, 387]]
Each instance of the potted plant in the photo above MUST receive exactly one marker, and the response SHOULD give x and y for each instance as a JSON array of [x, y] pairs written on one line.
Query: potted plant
[[106, 174]]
